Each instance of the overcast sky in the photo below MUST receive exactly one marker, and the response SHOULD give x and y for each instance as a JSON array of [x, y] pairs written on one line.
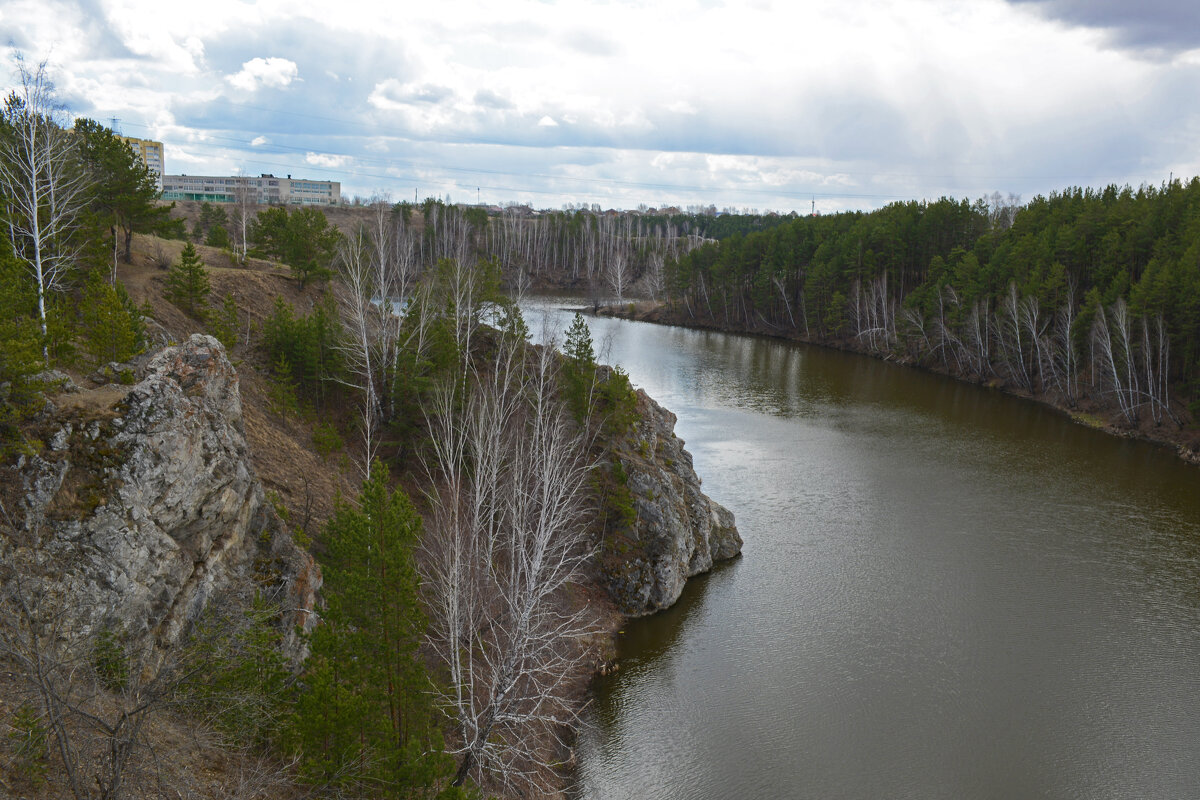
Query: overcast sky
[[754, 104]]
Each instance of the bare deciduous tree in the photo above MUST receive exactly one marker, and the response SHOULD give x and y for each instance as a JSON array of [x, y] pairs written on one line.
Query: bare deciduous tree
[[378, 293], [507, 536], [245, 200], [618, 274], [43, 185]]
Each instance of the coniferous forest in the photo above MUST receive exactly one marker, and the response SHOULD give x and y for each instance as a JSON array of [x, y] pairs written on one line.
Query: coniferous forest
[[1083, 295]]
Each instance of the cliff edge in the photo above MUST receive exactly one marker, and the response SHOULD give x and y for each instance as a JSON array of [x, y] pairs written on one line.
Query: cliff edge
[[146, 502], [675, 530]]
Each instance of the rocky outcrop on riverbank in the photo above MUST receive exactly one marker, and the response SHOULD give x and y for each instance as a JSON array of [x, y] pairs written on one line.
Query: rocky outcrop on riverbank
[[145, 502], [672, 529]]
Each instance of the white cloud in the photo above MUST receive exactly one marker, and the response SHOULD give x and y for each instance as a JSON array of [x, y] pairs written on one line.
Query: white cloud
[[166, 129], [878, 100], [325, 160], [188, 157], [273, 72], [394, 95], [682, 107]]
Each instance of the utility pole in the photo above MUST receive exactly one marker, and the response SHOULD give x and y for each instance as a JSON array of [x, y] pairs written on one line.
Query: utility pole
[[813, 213]]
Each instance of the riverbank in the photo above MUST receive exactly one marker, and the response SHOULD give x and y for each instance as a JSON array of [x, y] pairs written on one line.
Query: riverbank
[[1184, 440], [930, 569]]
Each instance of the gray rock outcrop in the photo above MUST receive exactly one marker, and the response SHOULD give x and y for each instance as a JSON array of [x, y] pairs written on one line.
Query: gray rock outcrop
[[676, 532], [146, 503]]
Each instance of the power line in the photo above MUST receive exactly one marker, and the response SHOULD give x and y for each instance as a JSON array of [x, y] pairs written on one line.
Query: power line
[[589, 184], [452, 138], [659, 186]]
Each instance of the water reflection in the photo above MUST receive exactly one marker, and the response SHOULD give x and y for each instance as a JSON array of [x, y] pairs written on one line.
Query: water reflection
[[945, 592]]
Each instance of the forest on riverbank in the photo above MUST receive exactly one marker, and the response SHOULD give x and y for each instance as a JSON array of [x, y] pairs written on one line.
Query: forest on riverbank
[[1087, 298]]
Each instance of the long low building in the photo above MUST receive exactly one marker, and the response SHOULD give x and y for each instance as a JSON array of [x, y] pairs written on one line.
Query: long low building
[[266, 189]]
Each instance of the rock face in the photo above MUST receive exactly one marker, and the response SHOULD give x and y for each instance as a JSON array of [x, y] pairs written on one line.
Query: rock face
[[147, 503], [676, 532]]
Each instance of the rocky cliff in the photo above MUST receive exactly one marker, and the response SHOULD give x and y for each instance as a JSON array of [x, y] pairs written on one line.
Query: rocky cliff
[[673, 530], [146, 502]]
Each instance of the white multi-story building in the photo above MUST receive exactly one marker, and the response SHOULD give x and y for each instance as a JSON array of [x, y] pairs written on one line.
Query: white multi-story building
[[265, 189]]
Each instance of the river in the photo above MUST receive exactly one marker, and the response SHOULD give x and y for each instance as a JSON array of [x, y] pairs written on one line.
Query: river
[[945, 592]]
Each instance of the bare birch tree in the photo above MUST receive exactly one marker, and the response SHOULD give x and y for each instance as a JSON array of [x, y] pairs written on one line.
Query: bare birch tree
[[618, 274], [507, 536], [245, 200], [1111, 339], [42, 184], [382, 305]]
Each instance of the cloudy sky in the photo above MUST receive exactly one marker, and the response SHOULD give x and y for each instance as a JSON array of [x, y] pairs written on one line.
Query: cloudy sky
[[750, 104]]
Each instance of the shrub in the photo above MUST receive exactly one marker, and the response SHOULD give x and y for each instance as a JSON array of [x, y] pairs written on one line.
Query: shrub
[[327, 440]]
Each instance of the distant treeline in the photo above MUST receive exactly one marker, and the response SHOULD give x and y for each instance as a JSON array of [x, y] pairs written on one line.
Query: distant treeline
[[1085, 293], [604, 253]]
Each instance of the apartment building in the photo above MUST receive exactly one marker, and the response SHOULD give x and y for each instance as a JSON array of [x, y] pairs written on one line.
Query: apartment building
[[266, 189], [151, 153]]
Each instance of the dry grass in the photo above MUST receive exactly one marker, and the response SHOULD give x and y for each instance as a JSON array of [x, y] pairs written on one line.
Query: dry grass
[[178, 758], [281, 447]]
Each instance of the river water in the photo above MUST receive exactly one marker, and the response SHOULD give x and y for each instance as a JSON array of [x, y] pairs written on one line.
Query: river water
[[944, 593]]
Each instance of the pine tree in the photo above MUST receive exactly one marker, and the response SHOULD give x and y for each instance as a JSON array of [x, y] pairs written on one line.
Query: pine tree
[[20, 352], [224, 323], [187, 282], [579, 369], [366, 722], [123, 193], [217, 237], [112, 329], [578, 346]]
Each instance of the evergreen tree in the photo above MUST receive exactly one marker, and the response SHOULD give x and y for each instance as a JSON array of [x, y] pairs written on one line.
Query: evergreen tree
[[224, 323], [305, 241], [217, 237], [366, 722], [122, 191], [579, 369], [112, 330], [20, 350], [310, 344], [187, 282], [578, 346]]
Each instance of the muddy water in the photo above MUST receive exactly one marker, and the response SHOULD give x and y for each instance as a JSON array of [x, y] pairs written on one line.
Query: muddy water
[[944, 593]]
